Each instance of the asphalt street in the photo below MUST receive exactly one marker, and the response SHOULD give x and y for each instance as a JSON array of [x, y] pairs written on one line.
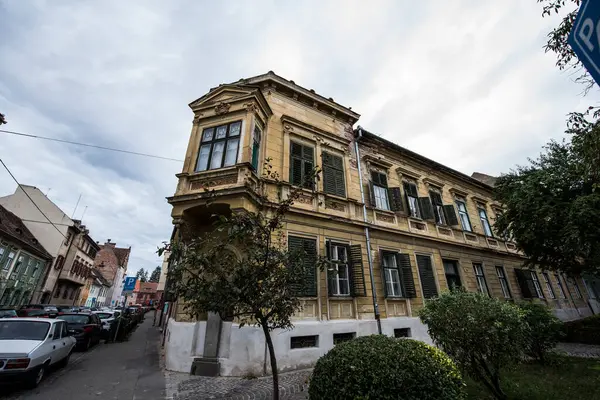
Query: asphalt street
[[123, 371]]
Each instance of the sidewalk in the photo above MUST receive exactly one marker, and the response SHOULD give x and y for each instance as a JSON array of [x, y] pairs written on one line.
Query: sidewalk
[[292, 386]]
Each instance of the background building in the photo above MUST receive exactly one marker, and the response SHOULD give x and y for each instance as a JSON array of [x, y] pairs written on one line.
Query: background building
[[111, 261], [23, 261]]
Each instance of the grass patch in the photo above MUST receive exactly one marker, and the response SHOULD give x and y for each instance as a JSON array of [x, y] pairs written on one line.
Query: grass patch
[[570, 378]]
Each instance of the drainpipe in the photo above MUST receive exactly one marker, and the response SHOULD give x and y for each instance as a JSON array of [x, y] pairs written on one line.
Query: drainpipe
[[369, 257]]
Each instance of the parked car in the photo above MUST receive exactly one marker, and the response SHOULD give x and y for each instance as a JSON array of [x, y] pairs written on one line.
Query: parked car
[[64, 309], [35, 313], [29, 346], [8, 313], [85, 328], [109, 319]]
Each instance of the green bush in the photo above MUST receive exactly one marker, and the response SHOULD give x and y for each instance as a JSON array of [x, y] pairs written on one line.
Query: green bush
[[378, 367], [586, 330], [544, 329], [481, 334]]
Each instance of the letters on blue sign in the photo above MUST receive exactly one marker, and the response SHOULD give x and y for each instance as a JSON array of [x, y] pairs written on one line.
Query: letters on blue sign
[[585, 37]]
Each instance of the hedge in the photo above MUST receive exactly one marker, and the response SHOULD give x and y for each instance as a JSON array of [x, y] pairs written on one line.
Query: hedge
[[586, 330]]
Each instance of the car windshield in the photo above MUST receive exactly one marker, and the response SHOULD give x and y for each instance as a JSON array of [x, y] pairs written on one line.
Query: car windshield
[[104, 315], [75, 319], [8, 313], [23, 330]]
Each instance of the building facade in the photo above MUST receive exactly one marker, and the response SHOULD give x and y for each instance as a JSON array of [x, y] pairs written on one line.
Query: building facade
[[111, 261], [23, 261], [66, 239], [98, 289], [401, 228]]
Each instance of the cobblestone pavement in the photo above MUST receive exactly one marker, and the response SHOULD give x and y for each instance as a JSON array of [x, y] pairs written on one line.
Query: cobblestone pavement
[[579, 350], [292, 386], [123, 371]]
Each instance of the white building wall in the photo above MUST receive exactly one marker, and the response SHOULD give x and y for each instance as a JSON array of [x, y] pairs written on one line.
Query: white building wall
[[117, 288], [243, 351], [94, 291]]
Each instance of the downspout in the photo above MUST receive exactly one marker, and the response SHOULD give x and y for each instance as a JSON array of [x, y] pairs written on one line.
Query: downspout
[[369, 257]]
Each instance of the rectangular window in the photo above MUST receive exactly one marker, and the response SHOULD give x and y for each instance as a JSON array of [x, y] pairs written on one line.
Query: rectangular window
[[219, 146], [412, 199], [303, 342], [392, 274], [339, 272], [561, 290], [484, 222], [463, 215], [18, 264], [427, 276], [256, 147], [343, 337], [573, 282], [503, 282], [548, 285], [402, 333], [301, 165], [333, 175], [438, 207], [380, 190], [452, 274], [8, 260], [480, 276], [536, 285]]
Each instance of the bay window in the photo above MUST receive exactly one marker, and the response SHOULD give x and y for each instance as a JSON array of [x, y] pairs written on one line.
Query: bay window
[[219, 146]]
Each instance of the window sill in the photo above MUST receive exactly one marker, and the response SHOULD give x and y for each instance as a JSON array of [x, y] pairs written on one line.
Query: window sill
[[340, 297], [391, 213], [210, 172], [334, 196]]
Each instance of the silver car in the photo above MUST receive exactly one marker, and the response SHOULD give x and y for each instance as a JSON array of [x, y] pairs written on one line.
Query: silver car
[[28, 346]]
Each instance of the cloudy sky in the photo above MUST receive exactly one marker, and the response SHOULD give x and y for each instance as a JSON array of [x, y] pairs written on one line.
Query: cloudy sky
[[464, 82]]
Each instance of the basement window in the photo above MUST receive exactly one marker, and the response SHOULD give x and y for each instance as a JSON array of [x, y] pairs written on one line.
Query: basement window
[[402, 333], [303, 342], [343, 337]]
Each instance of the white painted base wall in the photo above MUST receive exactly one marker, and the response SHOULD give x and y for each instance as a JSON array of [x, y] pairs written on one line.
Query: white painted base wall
[[242, 351]]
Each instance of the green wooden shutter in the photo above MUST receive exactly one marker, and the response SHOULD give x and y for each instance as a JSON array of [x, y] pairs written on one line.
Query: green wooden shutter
[[295, 163], [331, 274], [308, 165], [450, 213], [357, 272], [333, 175], [525, 283], [308, 288], [395, 198], [370, 194], [406, 276], [427, 276], [426, 208]]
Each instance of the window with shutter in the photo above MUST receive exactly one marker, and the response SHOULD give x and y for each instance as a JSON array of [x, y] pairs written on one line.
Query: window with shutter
[[308, 248], [426, 208], [301, 165], [379, 190], [397, 275], [526, 283], [395, 197], [412, 199], [357, 272], [548, 285], [427, 276], [333, 175], [338, 274], [438, 207], [450, 214]]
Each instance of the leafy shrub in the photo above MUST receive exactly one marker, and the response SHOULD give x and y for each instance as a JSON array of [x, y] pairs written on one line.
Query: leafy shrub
[[544, 329], [586, 330], [380, 367], [480, 333]]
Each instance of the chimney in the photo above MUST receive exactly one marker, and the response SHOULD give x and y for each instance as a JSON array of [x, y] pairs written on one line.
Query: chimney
[[109, 243]]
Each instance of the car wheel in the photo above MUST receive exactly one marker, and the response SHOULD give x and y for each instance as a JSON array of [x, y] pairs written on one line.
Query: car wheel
[[37, 377]]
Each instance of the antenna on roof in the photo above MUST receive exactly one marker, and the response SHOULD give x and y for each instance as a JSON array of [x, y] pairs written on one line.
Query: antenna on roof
[[76, 205], [49, 189], [84, 210]]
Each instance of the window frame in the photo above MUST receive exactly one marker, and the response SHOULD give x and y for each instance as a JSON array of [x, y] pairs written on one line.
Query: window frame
[[578, 293], [8, 259], [257, 132], [340, 172], [454, 263], [304, 182], [438, 209], [549, 287], [336, 263], [485, 221], [212, 142], [479, 277], [503, 279], [390, 269], [561, 289], [382, 184], [462, 201], [536, 285], [414, 210]]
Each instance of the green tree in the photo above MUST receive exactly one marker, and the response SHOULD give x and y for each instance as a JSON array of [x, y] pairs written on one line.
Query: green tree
[[481, 334], [242, 269], [142, 275], [155, 275], [3, 119], [544, 330]]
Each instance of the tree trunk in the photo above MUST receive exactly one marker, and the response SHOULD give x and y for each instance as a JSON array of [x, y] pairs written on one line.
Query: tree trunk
[[273, 360]]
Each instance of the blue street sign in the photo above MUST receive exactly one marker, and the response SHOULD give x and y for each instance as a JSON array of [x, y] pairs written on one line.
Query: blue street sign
[[584, 38], [129, 284]]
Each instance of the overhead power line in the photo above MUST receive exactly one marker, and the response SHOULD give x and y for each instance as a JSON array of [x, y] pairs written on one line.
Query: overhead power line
[[29, 197], [88, 145]]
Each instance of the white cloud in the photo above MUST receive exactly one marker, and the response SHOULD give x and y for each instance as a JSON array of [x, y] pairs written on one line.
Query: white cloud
[[463, 82]]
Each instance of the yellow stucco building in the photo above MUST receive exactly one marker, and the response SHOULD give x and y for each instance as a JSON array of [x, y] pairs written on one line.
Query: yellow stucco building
[[403, 227]]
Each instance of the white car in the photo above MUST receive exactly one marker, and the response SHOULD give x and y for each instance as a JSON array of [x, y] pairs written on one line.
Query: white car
[[107, 318], [28, 346]]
